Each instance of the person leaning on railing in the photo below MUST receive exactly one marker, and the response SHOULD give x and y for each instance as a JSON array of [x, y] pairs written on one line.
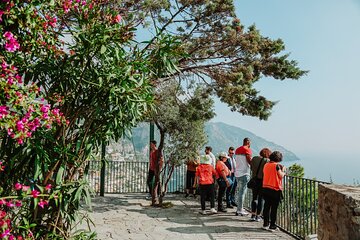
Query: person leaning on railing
[[272, 189]]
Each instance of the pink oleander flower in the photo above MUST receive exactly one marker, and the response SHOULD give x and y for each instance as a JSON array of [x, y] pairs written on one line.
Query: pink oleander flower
[[18, 203], [18, 186], [35, 193], [45, 108], [20, 125], [117, 18], [8, 35], [5, 233], [3, 111], [48, 187], [2, 202], [25, 188], [11, 44], [2, 214], [11, 237], [43, 203], [10, 204], [20, 141], [1, 13]]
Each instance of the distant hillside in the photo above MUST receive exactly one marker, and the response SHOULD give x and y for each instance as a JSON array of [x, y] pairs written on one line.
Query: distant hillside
[[220, 137]]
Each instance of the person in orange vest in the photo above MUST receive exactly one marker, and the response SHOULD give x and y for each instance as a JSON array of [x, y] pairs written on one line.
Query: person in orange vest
[[205, 175], [272, 189]]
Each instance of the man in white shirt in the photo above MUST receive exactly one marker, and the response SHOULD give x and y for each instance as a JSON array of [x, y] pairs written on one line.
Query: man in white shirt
[[243, 156], [208, 150]]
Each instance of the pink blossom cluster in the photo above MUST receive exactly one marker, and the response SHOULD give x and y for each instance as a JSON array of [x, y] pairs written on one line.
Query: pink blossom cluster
[[9, 204], [11, 44], [20, 98]]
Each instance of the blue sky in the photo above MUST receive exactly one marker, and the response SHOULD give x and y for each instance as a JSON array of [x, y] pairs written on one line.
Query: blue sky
[[319, 114]]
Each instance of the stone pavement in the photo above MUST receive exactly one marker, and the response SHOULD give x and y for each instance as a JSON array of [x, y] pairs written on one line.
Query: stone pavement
[[130, 216]]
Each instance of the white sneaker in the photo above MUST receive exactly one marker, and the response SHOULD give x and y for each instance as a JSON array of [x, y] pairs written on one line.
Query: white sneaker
[[243, 213], [202, 212], [212, 210], [265, 227]]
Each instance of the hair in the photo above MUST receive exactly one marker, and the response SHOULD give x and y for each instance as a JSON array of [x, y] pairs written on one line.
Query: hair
[[231, 148], [153, 142], [276, 156], [265, 152], [246, 140], [208, 148]]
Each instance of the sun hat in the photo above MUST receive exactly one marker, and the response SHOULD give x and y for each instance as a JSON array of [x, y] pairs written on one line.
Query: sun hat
[[223, 154], [205, 159]]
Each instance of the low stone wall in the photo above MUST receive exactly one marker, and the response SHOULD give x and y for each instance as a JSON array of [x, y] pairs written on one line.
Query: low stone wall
[[339, 212]]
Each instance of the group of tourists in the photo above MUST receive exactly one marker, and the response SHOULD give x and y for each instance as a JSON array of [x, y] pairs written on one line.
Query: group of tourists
[[231, 174]]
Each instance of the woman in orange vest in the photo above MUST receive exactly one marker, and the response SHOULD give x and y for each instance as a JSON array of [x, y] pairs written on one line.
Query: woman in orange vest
[[272, 189]]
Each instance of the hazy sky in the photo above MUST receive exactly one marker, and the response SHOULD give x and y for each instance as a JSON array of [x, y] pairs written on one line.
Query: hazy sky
[[320, 113]]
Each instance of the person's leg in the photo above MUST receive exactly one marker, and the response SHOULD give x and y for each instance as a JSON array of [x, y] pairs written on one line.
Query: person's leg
[[254, 202], [203, 193], [228, 196], [192, 180], [212, 195], [260, 202], [266, 211], [149, 180], [274, 206], [222, 190], [241, 189], [232, 193], [188, 183]]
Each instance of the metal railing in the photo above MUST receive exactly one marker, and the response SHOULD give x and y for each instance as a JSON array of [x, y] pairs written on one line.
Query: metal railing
[[129, 177], [297, 213]]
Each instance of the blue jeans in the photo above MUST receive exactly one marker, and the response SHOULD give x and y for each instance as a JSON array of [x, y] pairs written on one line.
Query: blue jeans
[[241, 191]]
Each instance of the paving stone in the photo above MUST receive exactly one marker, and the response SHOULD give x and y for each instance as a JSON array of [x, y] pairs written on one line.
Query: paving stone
[[130, 216]]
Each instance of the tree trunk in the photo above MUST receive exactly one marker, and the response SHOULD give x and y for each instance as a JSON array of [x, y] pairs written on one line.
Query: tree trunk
[[162, 195], [157, 184]]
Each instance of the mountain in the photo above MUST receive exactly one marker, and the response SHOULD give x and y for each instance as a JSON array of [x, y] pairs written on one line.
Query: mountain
[[220, 137]]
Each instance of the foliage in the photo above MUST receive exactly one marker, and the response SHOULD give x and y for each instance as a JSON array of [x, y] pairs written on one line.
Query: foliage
[[218, 50], [80, 57], [213, 50], [296, 170], [182, 121]]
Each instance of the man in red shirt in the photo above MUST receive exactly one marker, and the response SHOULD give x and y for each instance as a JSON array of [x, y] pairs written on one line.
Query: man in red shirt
[[155, 158]]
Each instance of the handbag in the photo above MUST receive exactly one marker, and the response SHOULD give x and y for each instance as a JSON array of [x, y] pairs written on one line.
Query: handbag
[[222, 182], [255, 182]]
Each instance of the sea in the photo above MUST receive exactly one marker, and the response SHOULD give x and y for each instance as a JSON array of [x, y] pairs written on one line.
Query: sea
[[340, 169]]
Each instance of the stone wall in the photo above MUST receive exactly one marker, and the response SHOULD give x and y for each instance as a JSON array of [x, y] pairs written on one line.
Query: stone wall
[[339, 212]]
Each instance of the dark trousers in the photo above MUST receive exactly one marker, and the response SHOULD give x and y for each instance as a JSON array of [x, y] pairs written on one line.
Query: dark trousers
[[207, 190], [190, 178], [221, 193], [149, 180], [272, 201], [230, 191], [257, 200]]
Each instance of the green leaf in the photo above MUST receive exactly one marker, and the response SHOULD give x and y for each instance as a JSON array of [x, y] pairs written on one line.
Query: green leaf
[[103, 49], [59, 175]]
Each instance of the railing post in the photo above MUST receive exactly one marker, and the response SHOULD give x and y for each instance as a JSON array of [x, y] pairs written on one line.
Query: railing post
[[102, 172]]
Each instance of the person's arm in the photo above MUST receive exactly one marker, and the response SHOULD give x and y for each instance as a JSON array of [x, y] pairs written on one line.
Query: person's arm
[[281, 172], [196, 181], [248, 158]]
